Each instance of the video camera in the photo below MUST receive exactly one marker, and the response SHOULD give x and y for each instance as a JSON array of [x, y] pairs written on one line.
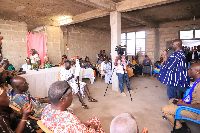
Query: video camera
[[120, 49]]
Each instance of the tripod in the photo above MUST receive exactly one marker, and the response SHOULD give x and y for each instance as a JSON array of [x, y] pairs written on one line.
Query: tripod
[[125, 74]]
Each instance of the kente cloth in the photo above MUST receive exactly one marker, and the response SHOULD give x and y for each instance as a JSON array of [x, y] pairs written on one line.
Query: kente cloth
[[157, 69], [65, 122], [48, 65], [174, 70], [18, 100], [66, 74]]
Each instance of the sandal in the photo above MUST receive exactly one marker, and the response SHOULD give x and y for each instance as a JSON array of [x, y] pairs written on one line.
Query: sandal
[[85, 106], [92, 100]]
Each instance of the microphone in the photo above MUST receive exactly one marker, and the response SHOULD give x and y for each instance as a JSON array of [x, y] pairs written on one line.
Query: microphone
[[169, 49]]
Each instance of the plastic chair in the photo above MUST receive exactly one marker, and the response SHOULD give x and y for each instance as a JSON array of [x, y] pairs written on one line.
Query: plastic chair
[[179, 117], [43, 127]]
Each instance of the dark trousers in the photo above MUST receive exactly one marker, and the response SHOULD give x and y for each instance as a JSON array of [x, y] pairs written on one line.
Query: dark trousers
[[137, 70], [175, 92]]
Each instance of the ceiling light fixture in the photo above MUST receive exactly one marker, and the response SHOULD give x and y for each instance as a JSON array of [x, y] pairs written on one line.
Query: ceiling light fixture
[[65, 17], [66, 21]]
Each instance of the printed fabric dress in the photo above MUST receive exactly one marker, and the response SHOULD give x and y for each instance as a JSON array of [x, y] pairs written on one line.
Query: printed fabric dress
[[147, 66], [65, 74], [65, 122]]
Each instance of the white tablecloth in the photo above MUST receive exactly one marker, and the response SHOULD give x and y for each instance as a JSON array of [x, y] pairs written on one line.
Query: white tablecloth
[[87, 73], [40, 81]]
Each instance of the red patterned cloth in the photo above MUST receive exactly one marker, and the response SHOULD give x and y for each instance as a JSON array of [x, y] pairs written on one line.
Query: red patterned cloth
[[65, 122]]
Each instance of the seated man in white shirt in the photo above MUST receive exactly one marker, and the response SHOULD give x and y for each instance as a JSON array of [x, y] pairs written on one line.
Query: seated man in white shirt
[[106, 69], [27, 66], [67, 74]]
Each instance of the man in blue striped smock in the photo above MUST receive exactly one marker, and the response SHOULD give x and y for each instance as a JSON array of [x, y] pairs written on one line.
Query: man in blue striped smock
[[174, 71]]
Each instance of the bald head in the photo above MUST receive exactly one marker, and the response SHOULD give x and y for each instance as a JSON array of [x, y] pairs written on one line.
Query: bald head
[[124, 123], [176, 44], [19, 84], [194, 71]]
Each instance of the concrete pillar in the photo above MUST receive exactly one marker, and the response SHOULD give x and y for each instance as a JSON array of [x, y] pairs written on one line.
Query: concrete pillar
[[157, 45], [115, 24]]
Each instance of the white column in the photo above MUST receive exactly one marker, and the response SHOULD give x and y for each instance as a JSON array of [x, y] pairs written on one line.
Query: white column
[[115, 24]]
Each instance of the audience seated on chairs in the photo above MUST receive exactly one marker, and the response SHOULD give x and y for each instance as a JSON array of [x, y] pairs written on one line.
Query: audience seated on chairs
[[191, 99], [58, 119], [146, 66], [67, 74], [137, 70], [6, 117], [106, 68], [62, 63], [19, 97], [128, 67], [125, 123]]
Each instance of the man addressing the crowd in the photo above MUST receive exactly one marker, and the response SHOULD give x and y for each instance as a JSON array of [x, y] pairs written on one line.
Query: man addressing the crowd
[[174, 71]]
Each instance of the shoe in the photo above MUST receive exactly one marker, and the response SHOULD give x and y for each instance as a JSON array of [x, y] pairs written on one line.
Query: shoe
[[186, 127], [131, 91], [123, 94], [181, 130]]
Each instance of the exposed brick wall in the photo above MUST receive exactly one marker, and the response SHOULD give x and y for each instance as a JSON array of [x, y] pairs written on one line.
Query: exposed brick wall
[[87, 42], [171, 33], [150, 45], [14, 41], [54, 41]]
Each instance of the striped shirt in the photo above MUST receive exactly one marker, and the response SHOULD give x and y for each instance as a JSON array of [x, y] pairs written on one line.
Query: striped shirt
[[174, 71]]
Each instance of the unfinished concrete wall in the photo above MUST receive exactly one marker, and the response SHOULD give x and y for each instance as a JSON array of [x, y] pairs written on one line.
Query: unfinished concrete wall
[[54, 42], [170, 31], [84, 42], [14, 46]]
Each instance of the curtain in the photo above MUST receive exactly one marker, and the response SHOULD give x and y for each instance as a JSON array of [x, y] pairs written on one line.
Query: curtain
[[37, 42]]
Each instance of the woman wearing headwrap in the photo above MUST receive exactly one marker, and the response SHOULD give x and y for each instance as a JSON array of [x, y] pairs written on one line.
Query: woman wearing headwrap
[[47, 63]]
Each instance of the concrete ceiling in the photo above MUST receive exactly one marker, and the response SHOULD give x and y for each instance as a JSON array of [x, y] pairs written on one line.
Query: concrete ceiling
[[46, 12], [181, 10]]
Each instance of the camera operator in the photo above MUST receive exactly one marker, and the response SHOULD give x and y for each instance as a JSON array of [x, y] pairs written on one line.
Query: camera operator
[[122, 73]]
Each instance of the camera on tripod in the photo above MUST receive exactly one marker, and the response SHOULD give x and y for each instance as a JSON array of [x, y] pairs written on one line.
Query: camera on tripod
[[121, 49]]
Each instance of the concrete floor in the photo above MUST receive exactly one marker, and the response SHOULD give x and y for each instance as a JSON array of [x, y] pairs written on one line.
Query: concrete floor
[[145, 106]]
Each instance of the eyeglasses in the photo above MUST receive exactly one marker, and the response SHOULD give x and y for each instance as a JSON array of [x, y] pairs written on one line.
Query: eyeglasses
[[65, 91]]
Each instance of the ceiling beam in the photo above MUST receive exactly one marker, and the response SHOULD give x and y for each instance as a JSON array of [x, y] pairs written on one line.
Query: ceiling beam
[[129, 5], [89, 15], [107, 5], [140, 20]]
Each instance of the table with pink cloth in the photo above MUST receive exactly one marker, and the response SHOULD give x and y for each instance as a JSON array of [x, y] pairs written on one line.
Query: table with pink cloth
[[40, 81]]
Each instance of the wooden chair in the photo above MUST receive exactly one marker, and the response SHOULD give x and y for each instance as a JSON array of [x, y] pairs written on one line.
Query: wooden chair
[[18, 110], [32, 117], [59, 76], [43, 127]]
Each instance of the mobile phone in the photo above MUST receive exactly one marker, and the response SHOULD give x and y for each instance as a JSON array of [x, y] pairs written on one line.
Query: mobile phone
[[29, 99]]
